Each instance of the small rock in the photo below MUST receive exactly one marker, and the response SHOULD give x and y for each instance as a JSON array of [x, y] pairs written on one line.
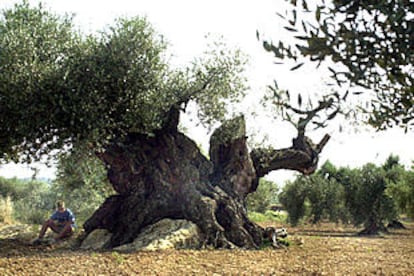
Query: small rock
[[165, 234], [96, 239]]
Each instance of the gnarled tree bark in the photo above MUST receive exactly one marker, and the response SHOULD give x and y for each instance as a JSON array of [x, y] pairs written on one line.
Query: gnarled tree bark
[[166, 176]]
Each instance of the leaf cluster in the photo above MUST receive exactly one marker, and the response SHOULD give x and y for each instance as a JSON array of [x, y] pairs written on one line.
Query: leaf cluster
[[372, 40], [263, 197], [320, 199], [301, 112], [60, 87], [33, 46]]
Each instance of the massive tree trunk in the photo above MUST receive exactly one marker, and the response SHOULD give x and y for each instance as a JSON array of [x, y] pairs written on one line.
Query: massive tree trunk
[[166, 176]]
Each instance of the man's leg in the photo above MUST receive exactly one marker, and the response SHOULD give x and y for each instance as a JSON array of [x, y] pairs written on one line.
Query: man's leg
[[46, 225], [66, 231]]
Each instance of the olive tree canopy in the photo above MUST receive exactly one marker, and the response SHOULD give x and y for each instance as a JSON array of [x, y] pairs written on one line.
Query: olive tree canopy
[[59, 87]]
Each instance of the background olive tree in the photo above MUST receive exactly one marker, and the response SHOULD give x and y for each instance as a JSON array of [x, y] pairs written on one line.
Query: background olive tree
[[400, 185], [317, 198], [265, 195], [368, 197]]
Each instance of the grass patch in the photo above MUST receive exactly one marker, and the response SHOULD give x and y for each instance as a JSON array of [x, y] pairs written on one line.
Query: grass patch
[[118, 257], [266, 243], [284, 242], [268, 216]]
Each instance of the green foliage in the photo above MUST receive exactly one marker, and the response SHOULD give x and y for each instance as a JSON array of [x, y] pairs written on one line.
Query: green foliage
[[400, 185], [15, 188], [367, 201], [371, 41], [402, 192], [317, 196], [326, 198], [81, 182], [34, 203], [31, 199], [263, 197], [315, 110], [118, 257], [81, 168], [293, 198], [60, 88], [328, 170], [34, 45], [267, 243], [393, 161], [366, 196], [409, 206], [284, 242], [268, 216]]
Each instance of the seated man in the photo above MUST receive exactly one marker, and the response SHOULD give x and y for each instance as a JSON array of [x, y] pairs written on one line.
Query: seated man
[[62, 222]]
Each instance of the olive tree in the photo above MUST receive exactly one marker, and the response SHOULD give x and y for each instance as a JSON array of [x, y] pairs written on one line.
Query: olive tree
[[115, 94], [264, 196]]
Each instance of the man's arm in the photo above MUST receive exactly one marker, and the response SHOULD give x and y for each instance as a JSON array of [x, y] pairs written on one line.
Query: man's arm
[[66, 230]]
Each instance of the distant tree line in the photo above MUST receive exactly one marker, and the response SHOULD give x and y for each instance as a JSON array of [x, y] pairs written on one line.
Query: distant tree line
[[371, 196]]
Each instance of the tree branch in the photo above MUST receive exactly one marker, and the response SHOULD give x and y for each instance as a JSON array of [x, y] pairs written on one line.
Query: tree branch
[[302, 157]]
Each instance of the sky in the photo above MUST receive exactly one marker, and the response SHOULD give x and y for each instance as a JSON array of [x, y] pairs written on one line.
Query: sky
[[185, 24]]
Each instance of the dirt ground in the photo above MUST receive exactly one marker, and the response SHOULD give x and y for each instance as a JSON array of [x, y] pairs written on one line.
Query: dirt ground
[[315, 250]]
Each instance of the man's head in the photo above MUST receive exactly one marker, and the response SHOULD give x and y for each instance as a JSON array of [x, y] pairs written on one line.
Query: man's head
[[60, 205]]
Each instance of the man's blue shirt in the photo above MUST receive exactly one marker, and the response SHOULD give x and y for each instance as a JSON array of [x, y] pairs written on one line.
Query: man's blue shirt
[[64, 216]]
